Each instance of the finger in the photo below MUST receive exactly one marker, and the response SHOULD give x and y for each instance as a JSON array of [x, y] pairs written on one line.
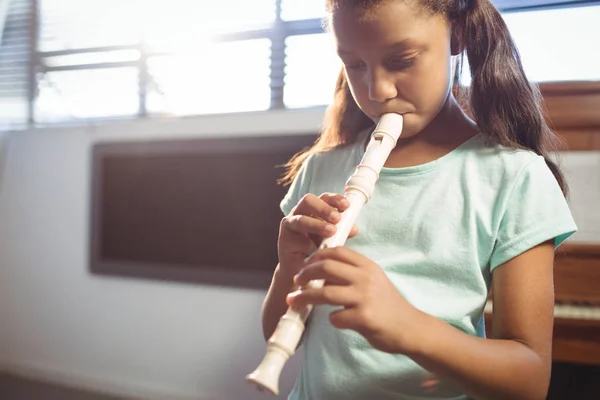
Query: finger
[[316, 207], [335, 200], [340, 253], [334, 272], [353, 231], [345, 318], [332, 295], [317, 239], [308, 225]]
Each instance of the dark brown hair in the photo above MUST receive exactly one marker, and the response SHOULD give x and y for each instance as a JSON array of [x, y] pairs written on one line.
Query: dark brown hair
[[512, 116]]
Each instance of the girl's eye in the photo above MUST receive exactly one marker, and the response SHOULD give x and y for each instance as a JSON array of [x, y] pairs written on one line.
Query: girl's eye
[[401, 63], [354, 65], [392, 64]]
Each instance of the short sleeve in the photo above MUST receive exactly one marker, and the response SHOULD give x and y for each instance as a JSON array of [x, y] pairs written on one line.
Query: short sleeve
[[299, 186], [536, 211]]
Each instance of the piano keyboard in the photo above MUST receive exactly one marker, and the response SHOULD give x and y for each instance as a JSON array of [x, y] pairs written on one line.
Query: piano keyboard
[[566, 311]]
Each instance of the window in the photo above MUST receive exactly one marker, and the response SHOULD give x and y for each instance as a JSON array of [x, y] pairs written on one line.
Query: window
[[181, 25], [76, 24], [97, 55], [161, 24], [224, 77], [15, 50], [130, 58], [84, 94], [559, 44], [312, 68], [292, 10]]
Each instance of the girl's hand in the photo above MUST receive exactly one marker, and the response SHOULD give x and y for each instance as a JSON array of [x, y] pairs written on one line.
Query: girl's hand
[[372, 305], [301, 232]]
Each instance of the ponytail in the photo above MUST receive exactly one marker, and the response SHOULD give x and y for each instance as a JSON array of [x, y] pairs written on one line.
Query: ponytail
[[505, 106]]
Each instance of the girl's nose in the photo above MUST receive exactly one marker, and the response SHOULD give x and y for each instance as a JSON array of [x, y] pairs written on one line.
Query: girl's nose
[[381, 87]]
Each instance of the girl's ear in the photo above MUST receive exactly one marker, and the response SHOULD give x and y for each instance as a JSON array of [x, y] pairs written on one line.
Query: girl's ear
[[457, 45]]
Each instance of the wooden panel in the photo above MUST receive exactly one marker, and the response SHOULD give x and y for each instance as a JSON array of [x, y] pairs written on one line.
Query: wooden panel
[[202, 210], [577, 273], [573, 110], [556, 89], [576, 280], [596, 140], [580, 139], [576, 341]]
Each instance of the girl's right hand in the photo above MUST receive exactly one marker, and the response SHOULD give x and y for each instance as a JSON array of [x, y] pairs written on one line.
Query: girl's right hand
[[309, 222]]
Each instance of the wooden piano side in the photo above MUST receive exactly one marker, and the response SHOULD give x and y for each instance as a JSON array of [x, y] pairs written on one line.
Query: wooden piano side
[[572, 111], [577, 282]]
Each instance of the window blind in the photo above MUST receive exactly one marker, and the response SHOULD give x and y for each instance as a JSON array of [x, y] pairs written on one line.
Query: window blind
[[15, 52]]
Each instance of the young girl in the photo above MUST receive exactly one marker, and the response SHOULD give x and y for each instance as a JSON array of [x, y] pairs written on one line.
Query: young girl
[[461, 207]]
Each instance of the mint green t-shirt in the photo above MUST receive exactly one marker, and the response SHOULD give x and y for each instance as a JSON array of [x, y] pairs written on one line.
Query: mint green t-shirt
[[437, 230]]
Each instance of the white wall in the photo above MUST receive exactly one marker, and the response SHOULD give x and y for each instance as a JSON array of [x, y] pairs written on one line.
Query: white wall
[[3, 136], [582, 170], [150, 339]]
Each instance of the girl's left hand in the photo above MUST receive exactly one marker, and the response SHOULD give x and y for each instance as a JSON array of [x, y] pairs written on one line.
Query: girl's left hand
[[372, 305]]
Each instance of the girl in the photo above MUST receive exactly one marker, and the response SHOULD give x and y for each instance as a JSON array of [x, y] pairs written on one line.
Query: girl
[[461, 207]]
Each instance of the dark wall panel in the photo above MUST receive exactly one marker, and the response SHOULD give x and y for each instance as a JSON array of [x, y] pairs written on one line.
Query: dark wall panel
[[202, 210]]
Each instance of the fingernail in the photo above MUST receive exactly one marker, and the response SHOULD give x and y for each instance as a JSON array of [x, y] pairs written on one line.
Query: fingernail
[[291, 296], [345, 202], [335, 215], [330, 229]]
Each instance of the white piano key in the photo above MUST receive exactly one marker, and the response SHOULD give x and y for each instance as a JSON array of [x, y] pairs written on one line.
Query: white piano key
[[574, 311]]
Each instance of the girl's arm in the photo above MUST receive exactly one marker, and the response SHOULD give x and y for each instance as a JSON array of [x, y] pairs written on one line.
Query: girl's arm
[[516, 362]]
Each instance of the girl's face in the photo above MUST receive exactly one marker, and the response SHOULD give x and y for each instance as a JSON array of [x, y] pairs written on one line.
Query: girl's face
[[396, 60]]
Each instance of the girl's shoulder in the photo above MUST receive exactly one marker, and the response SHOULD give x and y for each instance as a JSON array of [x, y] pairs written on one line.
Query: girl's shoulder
[[489, 167], [494, 158]]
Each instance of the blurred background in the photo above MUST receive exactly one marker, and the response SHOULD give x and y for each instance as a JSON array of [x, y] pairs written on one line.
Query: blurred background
[[84, 82]]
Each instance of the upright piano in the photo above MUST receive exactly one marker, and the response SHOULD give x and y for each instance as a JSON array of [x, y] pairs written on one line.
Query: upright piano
[[577, 305]]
